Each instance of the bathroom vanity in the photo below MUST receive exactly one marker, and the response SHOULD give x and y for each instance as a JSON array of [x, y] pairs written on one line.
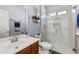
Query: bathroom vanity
[[32, 49], [24, 45]]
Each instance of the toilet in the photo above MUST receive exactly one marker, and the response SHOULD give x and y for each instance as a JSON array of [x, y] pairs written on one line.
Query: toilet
[[44, 47]]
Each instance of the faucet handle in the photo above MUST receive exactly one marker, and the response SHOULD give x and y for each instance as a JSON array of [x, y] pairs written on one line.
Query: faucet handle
[[16, 38]]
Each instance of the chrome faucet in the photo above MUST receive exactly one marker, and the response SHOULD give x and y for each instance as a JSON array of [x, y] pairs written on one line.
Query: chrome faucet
[[14, 39]]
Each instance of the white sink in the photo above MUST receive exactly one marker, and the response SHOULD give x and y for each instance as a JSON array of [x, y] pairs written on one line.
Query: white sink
[[4, 40], [15, 45]]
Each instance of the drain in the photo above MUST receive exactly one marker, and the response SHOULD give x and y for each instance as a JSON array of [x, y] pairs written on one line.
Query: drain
[[16, 47]]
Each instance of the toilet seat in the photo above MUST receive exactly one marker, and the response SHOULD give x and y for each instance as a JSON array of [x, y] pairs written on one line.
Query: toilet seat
[[45, 45]]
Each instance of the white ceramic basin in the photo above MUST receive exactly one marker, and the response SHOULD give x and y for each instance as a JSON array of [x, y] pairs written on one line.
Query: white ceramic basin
[[4, 40], [16, 45]]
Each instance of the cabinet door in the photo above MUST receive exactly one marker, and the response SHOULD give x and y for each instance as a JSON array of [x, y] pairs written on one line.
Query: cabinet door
[[36, 51], [25, 51], [35, 48]]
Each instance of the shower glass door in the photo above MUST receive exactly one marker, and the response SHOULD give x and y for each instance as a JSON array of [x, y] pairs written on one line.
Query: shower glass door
[[60, 32]]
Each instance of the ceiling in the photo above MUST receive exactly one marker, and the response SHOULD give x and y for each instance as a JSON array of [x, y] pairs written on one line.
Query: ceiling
[[55, 8]]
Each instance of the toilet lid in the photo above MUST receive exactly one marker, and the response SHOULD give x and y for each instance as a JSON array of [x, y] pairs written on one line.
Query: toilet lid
[[46, 45]]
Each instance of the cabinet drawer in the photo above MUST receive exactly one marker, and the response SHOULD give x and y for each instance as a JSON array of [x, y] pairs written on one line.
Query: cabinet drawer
[[36, 51], [25, 51], [35, 46]]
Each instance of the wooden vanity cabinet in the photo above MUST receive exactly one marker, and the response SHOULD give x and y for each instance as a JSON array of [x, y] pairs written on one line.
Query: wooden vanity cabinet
[[32, 49], [35, 48], [25, 51]]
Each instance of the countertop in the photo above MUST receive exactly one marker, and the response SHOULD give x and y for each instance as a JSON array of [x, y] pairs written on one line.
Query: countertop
[[12, 48]]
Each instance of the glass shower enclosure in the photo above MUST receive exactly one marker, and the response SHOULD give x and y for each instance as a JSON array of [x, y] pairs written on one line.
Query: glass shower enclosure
[[58, 27]]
